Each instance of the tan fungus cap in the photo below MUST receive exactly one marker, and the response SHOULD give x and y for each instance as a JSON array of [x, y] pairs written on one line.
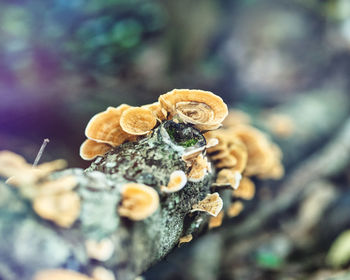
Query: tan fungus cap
[[177, 181], [105, 127], [137, 121], [212, 204], [91, 149], [139, 201], [202, 108]]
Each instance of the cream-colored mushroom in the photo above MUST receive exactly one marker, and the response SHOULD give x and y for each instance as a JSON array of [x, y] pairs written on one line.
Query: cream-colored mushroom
[[185, 239], [137, 120], [212, 204], [102, 273], [216, 221], [199, 169], [105, 127], [228, 177], [62, 208], [202, 108], [90, 149], [177, 181], [191, 154], [157, 110], [235, 209], [212, 142], [100, 250], [138, 201], [246, 189], [60, 274]]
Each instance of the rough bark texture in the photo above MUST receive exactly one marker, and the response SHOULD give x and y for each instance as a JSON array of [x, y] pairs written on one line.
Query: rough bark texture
[[30, 243]]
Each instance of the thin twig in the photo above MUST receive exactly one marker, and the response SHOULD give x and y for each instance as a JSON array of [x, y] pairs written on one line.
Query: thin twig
[[41, 151]]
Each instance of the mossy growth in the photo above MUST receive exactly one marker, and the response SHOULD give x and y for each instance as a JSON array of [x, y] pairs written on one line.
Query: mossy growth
[[183, 135]]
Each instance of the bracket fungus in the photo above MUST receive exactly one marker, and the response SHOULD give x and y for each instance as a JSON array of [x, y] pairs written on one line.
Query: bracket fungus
[[199, 169], [235, 209], [228, 177], [61, 208], [212, 204], [99, 250], [176, 182], [90, 149], [246, 189], [216, 221], [138, 201], [203, 109], [137, 120], [105, 127], [157, 110], [60, 274], [185, 239]]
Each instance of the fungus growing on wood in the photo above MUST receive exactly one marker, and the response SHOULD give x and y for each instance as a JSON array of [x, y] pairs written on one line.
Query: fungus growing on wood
[[20, 173], [137, 120], [99, 250], [60, 274], [157, 110], [228, 177], [176, 182], [191, 155], [212, 142], [62, 208], [216, 221], [202, 108], [90, 149], [235, 209], [105, 127], [101, 273], [199, 169], [138, 201], [246, 189], [212, 204], [263, 156], [185, 239]]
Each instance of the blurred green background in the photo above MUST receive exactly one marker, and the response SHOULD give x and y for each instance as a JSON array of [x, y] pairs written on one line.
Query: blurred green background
[[63, 61]]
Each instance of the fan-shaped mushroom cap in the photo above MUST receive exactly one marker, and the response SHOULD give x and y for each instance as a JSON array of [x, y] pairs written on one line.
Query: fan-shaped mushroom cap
[[139, 201], [199, 169], [90, 149], [246, 189], [21, 173], [239, 151], [216, 221], [157, 111], [137, 121], [228, 177], [101, 273], [191, 155], [212, 142], [177, 181], [234, 209], [202, 108], [11, 160], [63, 208], [261, 154], [185, 239], [60, 274], [226, 162], [59, 185], [212, 204], [99, 250], [105, 127]]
